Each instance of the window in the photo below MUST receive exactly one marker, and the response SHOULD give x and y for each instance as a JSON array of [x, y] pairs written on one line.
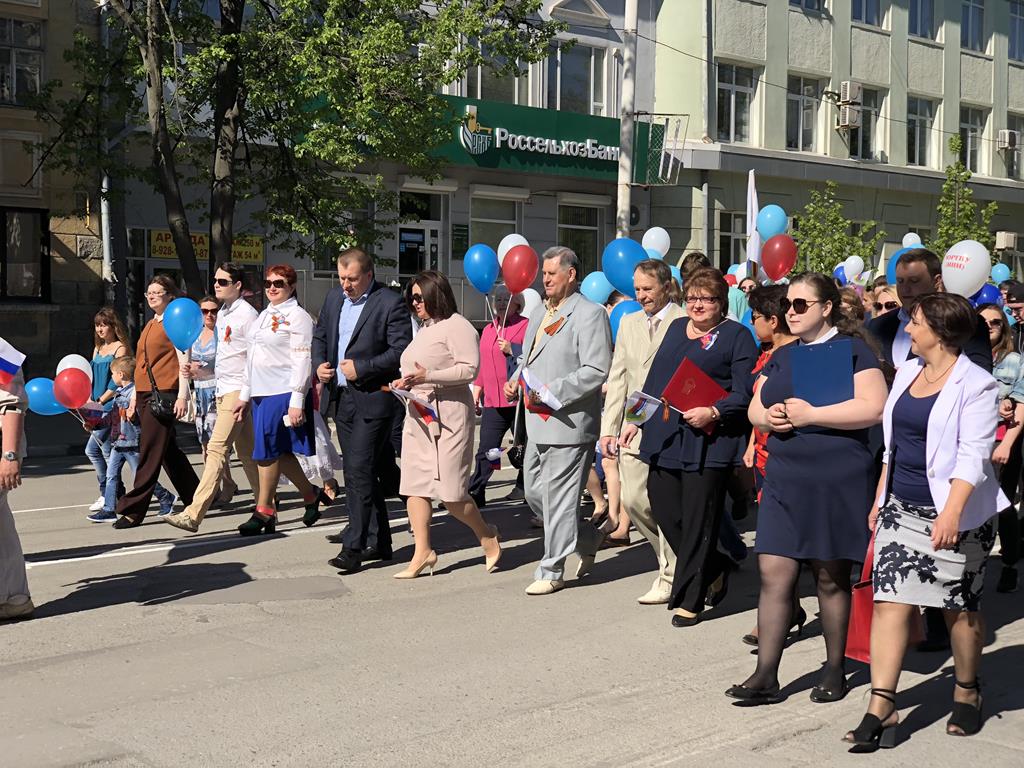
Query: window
[[24, 254], [482, 82], [808, 5], [735, 93], [490, 220], [21, 60], [732, 238], [972, 128], [972, 25], [922, 19], [868, 12], [576, 80], [862, 140], [920, 116], [1017, 30], [801, 113], [1012, 156], [579, 228]]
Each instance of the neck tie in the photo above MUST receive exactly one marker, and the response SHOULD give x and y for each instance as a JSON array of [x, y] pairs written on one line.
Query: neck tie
[[652, 323]]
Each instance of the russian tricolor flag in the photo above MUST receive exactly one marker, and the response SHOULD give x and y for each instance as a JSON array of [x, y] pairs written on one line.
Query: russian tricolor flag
[[542, 409], [428, 414], [10, 362]]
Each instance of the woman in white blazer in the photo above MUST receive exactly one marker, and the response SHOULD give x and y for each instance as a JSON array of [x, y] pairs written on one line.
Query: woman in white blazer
[[933, 515]]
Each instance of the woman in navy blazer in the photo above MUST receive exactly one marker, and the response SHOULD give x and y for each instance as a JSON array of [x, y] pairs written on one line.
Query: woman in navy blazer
[[689, 467], [933, 516]]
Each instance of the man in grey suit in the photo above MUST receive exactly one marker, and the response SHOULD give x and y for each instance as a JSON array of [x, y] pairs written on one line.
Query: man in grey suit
[[566, 358]]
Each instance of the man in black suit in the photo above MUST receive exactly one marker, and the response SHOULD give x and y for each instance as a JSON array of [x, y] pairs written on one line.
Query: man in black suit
[[360, 335], [919, 273]]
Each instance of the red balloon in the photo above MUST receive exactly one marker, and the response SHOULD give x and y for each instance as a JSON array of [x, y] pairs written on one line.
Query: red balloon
[[71, 388], [778, 256], [519, 269], [730, 279]]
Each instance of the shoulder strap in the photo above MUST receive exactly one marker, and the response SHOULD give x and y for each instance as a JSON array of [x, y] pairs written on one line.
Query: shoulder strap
[[149, 369]]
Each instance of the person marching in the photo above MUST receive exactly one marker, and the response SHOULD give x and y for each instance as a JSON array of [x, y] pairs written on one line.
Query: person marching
[[15, 599], [233, 330]]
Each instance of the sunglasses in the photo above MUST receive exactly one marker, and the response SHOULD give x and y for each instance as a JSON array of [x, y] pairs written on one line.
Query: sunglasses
[[995, 323], [416, 298], [887, 306], [279, 284], [799, 306], [210, 311], [223, 282]]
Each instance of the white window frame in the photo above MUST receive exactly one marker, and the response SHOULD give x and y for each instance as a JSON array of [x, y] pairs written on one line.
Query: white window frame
[[972, 133], [736, 233], [866, 8], [932, 32], [972, 25], [10, 50], [597, 229], [1012, 157], [513, 223], [600, 103], [872, 114], [1015, 35], [924, 126], [733, 89], [804, 101]]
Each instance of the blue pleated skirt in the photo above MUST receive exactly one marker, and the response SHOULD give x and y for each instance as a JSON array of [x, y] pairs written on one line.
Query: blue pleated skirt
[[271, 438]]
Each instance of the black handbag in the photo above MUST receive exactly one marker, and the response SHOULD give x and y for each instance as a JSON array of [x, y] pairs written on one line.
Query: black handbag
[[517, 451], [161, 404]]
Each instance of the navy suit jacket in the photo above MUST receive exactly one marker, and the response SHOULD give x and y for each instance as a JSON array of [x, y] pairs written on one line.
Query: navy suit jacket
[[885, 327], [383, 332]]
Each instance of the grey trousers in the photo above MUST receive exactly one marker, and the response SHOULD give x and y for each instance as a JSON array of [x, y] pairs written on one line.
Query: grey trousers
[[13, 579], [555, 476]]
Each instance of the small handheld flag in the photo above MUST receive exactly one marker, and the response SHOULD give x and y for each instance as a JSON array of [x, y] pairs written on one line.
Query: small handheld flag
[[640, 408], [10, 362]]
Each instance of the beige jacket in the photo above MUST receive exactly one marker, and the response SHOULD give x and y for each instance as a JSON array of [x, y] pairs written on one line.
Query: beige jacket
[[13, 398]]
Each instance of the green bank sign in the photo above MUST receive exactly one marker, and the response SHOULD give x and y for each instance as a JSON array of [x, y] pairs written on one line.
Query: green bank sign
[[500, 136]]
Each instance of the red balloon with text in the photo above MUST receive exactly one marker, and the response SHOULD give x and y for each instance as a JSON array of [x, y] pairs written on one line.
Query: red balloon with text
[[519, 269], [778, 256], [71, 388]]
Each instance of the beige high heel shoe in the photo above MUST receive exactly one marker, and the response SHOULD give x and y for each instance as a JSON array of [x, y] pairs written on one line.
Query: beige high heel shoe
[[413, 571], [491, 563]]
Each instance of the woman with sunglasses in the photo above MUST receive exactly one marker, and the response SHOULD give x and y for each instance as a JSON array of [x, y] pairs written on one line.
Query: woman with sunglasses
[[886, 300], [1008, 371], [437, 439], [818, 482], [277, 383], [201, 371], [692, 455]]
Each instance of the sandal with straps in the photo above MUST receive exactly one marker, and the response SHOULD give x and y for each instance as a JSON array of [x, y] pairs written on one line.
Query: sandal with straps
[[967, 718], [873, 733]]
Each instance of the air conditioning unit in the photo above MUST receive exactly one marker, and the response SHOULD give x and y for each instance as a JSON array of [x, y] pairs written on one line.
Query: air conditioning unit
[[1007, 139], [1006, 241], [849, 117], [850, 92], [639, 217]]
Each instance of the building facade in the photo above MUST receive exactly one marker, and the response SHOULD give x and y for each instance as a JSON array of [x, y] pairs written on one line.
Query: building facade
[[862, 92]]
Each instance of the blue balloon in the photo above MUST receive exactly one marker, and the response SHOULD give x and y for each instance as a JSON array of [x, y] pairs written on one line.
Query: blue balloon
[[988, 294], [183, 322], [771, 221], [890, 267], [678, 275], [622, 309], [618, 262], [41, 399], [653, 254], [748, 321], [481, 267], [839, 273], [596, 287], [1000, 272], [733, 269]]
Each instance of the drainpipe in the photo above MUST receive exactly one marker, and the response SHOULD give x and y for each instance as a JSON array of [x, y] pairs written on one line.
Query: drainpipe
[[626, 118], [107, 246], [706, 90]]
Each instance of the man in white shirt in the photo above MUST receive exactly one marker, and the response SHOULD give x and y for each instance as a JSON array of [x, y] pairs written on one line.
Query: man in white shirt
[[233, 329]]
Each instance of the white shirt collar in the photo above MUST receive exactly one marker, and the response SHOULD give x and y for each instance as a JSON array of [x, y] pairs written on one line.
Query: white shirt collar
[[285, 306], [832, 333], [662, 313]]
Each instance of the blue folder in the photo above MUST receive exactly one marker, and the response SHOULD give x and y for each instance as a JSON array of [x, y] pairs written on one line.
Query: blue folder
[[823, 373]]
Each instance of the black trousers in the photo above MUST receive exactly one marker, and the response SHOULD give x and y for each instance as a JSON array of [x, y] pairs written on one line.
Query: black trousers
[[688, 508], [1009, 523], [157, 448], [494, 423], [366, 446]]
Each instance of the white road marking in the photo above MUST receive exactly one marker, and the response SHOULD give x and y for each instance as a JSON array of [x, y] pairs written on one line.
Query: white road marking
[[51, 509]]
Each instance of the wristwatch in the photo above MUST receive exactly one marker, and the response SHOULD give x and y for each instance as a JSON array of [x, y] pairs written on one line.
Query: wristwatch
[[9, 456]]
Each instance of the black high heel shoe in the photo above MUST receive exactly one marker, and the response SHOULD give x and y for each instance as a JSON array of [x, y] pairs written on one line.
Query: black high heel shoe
[[873, 733], [312, 513], [799, 619], [257, 524], [966, 717]]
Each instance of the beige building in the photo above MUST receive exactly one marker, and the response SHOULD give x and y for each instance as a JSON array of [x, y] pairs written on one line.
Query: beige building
[[863, 92], [49, 265]]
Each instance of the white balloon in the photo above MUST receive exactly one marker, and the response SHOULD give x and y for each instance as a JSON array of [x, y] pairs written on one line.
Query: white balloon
[[853, 266], [531, 300], [911, 239], [658, 239], [74, 361], [966, 268], [741, 273], [508, 242]]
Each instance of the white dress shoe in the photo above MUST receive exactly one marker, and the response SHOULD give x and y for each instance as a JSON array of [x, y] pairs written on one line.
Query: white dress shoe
[[545, 586], [97, 505], [586, 563], [654, 596]]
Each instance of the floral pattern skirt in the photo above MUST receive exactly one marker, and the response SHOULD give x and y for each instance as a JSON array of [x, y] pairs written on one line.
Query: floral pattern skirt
[[907, 569]]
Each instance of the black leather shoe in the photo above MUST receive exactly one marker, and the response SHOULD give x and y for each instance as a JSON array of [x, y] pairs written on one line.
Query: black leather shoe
[[685, 621], [753, 697], [371, 553], [820, 695], [346, 562]]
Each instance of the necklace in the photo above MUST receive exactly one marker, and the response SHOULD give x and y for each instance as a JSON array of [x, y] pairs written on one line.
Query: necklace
[[924, 372]]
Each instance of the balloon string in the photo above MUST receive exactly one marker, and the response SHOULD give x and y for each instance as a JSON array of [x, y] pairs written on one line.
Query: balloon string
[[74, 412]]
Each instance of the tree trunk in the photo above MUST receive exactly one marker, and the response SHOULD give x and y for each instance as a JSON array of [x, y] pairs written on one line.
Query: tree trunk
[[226, 116]]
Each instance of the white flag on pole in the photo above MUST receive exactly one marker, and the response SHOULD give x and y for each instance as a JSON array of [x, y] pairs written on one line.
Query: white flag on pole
[[753, 238]]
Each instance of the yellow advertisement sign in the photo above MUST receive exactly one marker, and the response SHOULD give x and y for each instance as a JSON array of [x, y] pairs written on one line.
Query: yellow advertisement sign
[[247, 249]]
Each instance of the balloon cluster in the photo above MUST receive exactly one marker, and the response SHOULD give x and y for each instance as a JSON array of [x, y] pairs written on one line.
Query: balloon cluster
[[70, 388], [849, 270], [779, 251], [618, 262]]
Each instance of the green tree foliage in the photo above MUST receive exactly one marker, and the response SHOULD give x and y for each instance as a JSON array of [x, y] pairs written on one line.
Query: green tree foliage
[[303, 104], [825, 237], [959, 217]]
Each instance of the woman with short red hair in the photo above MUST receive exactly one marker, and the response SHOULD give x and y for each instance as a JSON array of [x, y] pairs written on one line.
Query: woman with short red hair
[[277, 383]]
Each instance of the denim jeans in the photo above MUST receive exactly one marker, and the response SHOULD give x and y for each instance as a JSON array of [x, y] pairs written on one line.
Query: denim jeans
[[97, 450], [112, 482]]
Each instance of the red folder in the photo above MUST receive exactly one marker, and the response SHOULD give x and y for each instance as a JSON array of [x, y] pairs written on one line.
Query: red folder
[[690, 387]]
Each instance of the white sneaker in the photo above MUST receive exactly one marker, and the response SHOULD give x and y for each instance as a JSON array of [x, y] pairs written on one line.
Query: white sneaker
[[97, 505]]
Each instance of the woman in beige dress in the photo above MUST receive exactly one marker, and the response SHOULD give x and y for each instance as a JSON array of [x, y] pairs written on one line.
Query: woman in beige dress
[[437, 442]]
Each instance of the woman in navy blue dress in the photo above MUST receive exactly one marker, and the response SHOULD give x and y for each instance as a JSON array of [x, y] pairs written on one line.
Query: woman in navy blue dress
[[818, 482]]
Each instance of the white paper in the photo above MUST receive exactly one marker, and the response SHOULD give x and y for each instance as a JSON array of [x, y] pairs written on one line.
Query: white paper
[[542, 391]]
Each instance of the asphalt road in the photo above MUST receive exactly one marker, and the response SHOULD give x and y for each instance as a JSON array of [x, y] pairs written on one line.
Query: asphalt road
[[154, 647]]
